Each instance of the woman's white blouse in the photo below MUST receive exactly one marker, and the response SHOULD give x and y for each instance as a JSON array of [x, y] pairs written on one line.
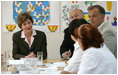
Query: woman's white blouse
[[32, 38], [74, 61], [98, 61]]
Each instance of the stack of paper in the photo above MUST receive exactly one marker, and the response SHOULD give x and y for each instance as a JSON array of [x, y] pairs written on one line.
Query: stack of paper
[[60, 64]]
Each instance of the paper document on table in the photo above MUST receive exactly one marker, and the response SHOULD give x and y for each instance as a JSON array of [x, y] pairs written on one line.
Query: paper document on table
[[60, 64], [49, 67], [15, 62], [32, 71], [50, 72], [25, 72]]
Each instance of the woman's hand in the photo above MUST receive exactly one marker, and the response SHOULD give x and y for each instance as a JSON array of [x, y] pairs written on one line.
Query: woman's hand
[[31, 55]]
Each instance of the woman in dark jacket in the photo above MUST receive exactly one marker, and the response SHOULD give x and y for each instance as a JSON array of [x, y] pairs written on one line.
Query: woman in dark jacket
[[27, 42]]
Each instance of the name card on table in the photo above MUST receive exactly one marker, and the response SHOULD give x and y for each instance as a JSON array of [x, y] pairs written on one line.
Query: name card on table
[[15, 62], [29, 59]]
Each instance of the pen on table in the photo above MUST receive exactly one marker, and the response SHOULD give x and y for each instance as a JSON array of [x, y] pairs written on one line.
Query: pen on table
[[69, 52]]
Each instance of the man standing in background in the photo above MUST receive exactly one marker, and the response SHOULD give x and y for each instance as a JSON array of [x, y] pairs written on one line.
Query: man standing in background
[[96, 17], [67, 48]]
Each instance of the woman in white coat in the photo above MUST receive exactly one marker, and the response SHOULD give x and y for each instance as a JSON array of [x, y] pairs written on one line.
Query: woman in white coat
[[96, 58]]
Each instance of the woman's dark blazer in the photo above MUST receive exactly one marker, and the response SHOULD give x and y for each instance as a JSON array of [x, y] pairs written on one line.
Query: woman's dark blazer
[[21, 48]]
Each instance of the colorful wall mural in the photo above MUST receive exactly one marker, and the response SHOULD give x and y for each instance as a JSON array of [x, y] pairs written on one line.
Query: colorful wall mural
[[39, 10], [45, 15], [49, 16]]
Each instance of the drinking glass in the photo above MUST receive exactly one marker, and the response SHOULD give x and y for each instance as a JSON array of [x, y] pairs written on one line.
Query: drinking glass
[[40, 57]]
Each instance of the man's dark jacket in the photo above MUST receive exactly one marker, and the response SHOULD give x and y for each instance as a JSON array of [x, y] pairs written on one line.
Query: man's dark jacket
[[67, 44]]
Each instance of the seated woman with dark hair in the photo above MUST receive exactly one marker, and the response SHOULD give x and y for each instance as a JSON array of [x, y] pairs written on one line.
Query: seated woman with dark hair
[[96, 58], [74, 61]]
